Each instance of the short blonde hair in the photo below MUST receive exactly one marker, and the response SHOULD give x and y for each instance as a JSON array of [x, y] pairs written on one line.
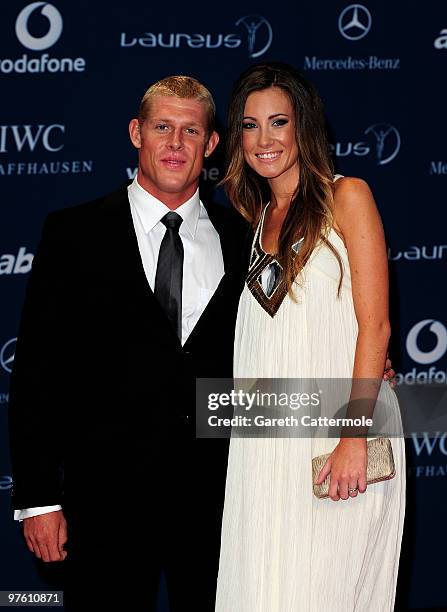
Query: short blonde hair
[[181, 87]]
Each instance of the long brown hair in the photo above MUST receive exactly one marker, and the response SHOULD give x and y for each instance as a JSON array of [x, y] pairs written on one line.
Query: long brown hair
[[310, 214]]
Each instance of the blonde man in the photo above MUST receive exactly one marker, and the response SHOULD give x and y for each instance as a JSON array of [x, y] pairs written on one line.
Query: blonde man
[[131, 297]]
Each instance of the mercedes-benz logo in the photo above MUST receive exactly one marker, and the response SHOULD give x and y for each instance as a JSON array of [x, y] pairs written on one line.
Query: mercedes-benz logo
[[354, 22], [253, 23], [387, 142], [7, 355], [54, 29]]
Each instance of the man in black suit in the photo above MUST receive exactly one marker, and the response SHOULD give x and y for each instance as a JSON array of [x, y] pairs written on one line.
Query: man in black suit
[[131, 297]]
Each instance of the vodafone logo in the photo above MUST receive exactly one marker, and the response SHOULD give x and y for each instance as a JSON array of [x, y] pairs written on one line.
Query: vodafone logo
[[55, 25], [439, 350], [50, 23]]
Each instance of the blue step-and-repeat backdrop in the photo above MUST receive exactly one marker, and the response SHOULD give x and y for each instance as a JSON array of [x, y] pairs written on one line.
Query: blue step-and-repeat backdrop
[[72, 75]]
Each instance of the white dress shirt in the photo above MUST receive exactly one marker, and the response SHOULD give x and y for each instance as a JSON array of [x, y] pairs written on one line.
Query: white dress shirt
[[203, 265]]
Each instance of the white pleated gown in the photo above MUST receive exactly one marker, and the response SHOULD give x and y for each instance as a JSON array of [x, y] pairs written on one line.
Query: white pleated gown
[[282, 549]]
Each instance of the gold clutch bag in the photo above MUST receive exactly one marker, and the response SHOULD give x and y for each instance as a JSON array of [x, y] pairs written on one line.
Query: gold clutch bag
[[380, 465]]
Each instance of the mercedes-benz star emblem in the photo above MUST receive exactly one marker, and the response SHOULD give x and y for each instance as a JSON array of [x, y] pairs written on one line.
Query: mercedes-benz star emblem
[[7, 354], [354, 22]]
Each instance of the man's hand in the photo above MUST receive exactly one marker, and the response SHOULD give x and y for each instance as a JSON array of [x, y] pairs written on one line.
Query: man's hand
[[46, 535]]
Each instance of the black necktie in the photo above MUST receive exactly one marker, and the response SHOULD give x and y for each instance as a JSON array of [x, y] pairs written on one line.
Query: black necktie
[[168, 279]]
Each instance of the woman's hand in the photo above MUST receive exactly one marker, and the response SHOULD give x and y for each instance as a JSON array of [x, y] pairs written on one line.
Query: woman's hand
[[389, 374], [347, 467]]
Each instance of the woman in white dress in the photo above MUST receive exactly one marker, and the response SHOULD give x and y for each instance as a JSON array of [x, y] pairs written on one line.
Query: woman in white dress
[[315, 305]]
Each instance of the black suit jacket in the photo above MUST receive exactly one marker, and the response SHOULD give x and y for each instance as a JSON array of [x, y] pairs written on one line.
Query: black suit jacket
[[102, 396]]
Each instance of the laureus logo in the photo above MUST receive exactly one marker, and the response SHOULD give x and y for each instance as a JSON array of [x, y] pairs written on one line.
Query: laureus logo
[[354, 22], [387, 142], [260, 34], [259, 38], [383, 144], [55, 25]]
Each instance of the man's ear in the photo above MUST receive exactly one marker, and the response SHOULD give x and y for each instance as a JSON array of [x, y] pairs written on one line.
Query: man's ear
[[211, 144], [135, 133]]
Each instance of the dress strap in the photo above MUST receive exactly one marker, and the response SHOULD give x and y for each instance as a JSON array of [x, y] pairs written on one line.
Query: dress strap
[[337, 176]]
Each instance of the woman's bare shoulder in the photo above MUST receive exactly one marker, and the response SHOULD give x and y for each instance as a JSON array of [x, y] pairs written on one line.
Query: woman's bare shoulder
[[351, 196], [349, 186], [354, 205]]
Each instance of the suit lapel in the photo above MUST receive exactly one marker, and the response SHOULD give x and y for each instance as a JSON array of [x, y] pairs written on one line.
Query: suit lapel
[[221, 226], [131, 275], [130, 271], [228, 253]]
